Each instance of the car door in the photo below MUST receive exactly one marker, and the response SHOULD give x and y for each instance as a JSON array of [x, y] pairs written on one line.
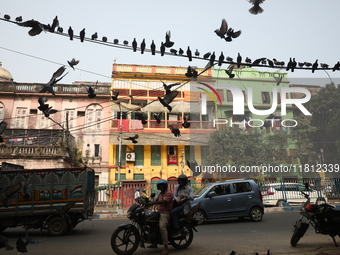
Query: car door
[[221, 203], [243, 196]]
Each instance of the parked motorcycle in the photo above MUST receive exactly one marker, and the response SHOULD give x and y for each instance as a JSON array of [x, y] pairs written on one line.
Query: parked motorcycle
[[324, 218], [145, 229]]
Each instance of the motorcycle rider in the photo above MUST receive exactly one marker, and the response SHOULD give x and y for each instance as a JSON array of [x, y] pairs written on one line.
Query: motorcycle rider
[[164, 202], [182, 192]]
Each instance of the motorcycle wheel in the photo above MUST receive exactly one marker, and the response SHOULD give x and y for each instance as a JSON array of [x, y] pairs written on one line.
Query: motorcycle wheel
[[125, 240], [298, 233], [183, 241]]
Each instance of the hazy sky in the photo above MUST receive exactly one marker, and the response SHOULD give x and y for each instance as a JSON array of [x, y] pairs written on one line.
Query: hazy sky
[[304, 29]]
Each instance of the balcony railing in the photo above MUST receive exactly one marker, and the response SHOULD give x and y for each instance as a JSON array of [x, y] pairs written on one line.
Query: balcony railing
[[31, 151]]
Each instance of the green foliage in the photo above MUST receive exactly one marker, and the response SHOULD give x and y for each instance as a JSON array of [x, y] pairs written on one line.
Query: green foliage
[[247, 148]]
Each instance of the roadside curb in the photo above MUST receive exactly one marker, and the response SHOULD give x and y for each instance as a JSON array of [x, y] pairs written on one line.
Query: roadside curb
[[121, 213]]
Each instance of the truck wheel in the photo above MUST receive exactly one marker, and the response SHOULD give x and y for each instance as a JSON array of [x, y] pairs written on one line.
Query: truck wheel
[[57, 226]]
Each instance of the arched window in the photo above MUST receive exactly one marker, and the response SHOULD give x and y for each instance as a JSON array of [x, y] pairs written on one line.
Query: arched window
[[94, 117]]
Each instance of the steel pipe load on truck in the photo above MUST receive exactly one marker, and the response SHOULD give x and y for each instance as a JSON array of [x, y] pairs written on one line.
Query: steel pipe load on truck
[[54, 199]]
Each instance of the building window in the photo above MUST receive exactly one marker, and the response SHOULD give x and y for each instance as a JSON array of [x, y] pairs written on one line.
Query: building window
[[94, 117], [265, 97], [139, 150], [229, 96], [97, 150], [172, 155], [138, 176], [155, 155], [20, 117], [71, 118], [122, 177], [2, 111]]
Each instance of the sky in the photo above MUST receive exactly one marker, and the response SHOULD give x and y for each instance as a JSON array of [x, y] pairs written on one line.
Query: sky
[[304, 29]]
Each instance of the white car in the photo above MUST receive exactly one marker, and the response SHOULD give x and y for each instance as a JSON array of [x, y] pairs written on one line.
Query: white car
[[277, 194]]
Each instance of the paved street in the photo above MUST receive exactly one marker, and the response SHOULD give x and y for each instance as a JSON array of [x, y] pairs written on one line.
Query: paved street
[[215, 237]]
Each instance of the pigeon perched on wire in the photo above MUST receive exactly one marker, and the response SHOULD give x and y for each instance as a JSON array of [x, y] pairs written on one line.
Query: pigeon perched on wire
[[175, 131], [220, 59], [207, 55], [180, 51], [239, 60], [82, 35], [36, 26], [314, 66], [173, 51], [104, 39], [73, 62], [189, 54], [168, 43], [7, 17], [167, 99], [336, 66], [18, 19], [94, 36], [142, 46], [134, 45], [162, 49], [132, 138], [153, 48], [256, 9], [70, 33], [55, 23], [278, 63]]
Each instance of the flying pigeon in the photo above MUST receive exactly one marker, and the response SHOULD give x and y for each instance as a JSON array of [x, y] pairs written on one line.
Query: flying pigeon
[[53, 81], [142, 117], [186, 118], [132, 138], [221, 32], [73, 62], [167, 88], [231, 34], [36, 26], [229, 72], [167, 99], [157, 117], [278, 80], [256, 9], [175, 131], [90, 92], [115, 94]]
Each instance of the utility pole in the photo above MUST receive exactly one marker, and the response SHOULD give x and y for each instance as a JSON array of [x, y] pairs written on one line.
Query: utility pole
[[119, 151]]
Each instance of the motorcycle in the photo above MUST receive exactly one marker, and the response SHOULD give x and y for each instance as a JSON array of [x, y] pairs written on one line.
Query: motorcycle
[[322, 217], [145, 229]]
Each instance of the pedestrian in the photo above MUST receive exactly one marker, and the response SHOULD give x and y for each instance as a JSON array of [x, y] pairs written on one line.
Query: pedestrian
[[182, 196], [164, 202], [137, 195]]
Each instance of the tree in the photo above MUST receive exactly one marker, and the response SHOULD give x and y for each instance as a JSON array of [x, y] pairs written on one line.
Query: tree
[[325, 118], [238, 148], [303, 135]]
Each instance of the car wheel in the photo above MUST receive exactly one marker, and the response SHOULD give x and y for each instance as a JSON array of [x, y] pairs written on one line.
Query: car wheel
[[199, 216], [256, 214]]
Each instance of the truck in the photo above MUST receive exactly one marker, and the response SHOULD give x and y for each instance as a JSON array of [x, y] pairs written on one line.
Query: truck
[[53, 199]]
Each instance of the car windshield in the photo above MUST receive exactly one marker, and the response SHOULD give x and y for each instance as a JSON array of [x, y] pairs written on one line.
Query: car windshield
[[201, 190]]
